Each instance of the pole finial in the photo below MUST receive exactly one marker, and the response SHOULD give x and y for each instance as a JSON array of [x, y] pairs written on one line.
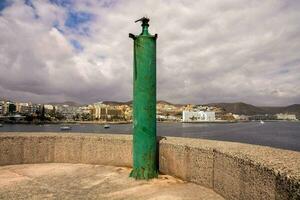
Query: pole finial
[[145, 25], [144, 21]]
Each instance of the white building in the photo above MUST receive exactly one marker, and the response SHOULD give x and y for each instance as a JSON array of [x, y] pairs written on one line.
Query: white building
[[282, 116], [48, 106], [240, 117], [198, 116]]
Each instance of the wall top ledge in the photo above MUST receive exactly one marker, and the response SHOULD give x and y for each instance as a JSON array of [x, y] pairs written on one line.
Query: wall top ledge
[[65, 135]]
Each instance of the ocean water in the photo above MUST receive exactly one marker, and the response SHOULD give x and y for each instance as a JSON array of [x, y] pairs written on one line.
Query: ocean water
[[280, 134]]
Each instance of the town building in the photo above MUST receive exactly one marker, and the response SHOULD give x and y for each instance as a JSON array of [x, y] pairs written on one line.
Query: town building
[[198, 116], [67, 111], [241, 117], [34, 108], [106, 112], [262, 117], [48, 107], [88, 110], [4, 107], [285, 116], [1, 107], [168, 112], [167, 118], [22, 108], [9, 108]]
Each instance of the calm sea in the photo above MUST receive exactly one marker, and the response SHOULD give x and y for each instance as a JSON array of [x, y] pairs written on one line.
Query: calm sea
[[282, 134]]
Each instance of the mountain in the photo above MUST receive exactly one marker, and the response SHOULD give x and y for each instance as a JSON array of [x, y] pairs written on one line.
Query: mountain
[[239, 108], [3, 99], [248, 109], [292, 109], [116, 103], [69, 103], [113, 103], [169, 103], [164, 102]]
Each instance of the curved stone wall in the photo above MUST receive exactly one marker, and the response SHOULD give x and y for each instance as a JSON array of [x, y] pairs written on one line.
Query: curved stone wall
[[234, 170]]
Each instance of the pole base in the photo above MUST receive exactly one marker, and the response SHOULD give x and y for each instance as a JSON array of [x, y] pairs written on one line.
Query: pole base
[[143, 174]]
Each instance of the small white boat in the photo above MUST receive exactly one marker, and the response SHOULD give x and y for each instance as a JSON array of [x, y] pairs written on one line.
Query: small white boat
[[1, 125], [65, 128], [106, 126], [262, 122]]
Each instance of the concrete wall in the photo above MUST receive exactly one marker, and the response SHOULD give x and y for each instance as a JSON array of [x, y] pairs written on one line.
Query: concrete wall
[[234, 170], [65, 148]]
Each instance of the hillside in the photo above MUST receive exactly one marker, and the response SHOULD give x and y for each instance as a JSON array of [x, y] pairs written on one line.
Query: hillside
[[69, 103], [116, 103], [248, 109], [130, 102], [292, 109], [239, 108], [3, 99]]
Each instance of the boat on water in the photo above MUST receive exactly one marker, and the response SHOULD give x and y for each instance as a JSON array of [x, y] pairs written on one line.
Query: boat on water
[[262, 122], [65, 128], [1, 125], [106, 126]]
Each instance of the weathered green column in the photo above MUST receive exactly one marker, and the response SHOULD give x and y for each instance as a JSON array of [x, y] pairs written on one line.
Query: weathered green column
[[144, 104]]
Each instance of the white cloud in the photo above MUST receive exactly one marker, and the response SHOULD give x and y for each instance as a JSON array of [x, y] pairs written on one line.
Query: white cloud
[[208, 51]]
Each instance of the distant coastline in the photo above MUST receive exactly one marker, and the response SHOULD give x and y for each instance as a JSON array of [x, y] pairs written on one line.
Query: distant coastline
[[130, 122]]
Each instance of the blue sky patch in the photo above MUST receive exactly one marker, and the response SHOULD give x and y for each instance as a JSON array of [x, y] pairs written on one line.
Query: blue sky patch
[[57, 26], [76, 44], [109, 4], [29, 3], [63, 3], [77, 22], [75, 19], [4, 4]]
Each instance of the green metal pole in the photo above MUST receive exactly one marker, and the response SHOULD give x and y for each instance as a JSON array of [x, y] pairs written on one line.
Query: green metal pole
[[144, 104]]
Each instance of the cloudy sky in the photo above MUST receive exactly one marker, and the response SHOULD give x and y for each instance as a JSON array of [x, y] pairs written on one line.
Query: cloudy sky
[[208, 51]]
